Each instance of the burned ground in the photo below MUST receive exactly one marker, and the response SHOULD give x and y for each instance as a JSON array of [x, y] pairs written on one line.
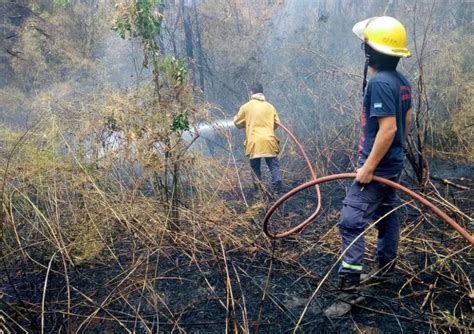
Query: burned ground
[[264, 287], [115, 217]]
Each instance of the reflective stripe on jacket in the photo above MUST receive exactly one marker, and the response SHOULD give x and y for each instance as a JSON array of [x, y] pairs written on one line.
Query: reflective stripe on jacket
[[259, 119]]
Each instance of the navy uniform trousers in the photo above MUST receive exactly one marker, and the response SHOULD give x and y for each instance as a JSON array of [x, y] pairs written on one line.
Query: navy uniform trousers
[[274, 167], [363, 205]]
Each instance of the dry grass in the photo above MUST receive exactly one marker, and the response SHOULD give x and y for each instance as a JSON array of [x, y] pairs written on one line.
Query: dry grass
[[149, 235], [66, 212], [100, 229]]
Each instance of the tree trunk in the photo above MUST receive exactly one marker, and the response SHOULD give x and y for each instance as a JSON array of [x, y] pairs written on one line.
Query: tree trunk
[[188, 39], [200, 55]]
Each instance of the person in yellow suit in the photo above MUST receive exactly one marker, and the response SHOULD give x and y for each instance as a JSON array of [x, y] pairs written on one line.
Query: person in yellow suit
[[260, 119]]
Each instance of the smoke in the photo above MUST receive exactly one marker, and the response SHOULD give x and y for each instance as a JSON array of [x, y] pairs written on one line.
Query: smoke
[[121, 61]]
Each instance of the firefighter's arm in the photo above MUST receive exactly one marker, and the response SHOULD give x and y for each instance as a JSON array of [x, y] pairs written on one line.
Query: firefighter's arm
[[239, 119], [382, 143]]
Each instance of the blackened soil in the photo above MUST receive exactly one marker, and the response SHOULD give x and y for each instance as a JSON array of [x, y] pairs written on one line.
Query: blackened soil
[[189, 293]]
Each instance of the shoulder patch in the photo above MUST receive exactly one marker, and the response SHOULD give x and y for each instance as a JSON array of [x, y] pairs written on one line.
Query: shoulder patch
[[378, 105]]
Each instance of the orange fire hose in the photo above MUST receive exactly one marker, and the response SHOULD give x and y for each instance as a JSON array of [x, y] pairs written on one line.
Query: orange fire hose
[[318, 192], [316, 181]]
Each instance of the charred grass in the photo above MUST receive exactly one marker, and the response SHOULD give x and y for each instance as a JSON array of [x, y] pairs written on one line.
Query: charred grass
[[86, 250]]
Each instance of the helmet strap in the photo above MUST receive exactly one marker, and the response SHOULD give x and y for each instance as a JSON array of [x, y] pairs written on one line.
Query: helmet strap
[[366, 67]]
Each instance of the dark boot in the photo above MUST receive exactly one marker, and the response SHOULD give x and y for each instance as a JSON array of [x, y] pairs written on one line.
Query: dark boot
[[348, 297], [349, 281], [383, 273]]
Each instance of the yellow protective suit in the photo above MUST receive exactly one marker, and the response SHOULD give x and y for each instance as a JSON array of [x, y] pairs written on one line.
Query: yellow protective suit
[[259, 119]]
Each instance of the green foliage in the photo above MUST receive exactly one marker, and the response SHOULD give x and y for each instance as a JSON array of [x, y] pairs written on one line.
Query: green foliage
[[148, 19], [140, 19], [177, 69], [122, 27], [35, 8], [62, 3], [180, 122]]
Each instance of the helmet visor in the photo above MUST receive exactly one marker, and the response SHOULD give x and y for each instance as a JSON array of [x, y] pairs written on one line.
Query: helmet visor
[[359, 28]]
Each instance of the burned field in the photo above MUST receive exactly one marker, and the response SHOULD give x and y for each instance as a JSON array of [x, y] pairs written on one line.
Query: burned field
[[126, 202], [214, 271]]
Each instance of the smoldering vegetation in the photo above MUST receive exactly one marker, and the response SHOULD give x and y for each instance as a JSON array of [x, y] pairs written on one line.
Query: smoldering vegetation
[[127, 204]]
